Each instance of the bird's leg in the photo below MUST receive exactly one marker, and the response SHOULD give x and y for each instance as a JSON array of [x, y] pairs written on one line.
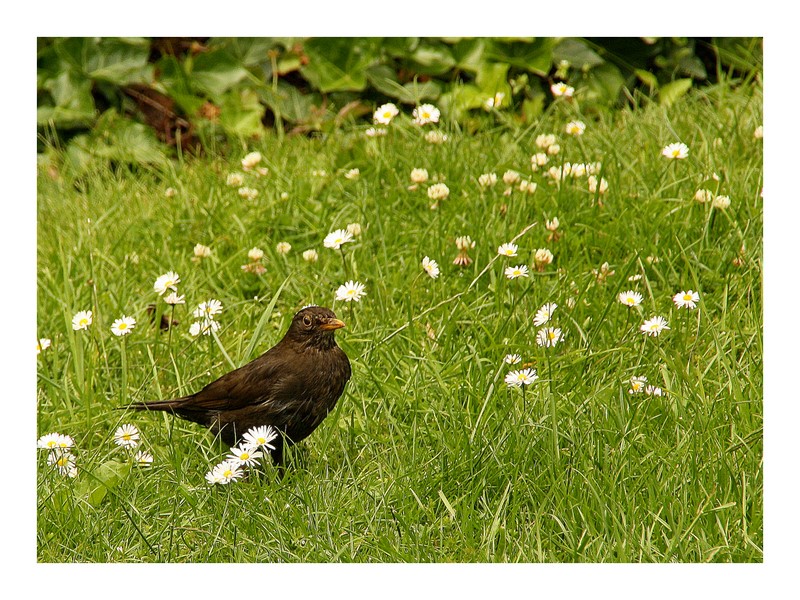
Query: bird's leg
[[278, 458]]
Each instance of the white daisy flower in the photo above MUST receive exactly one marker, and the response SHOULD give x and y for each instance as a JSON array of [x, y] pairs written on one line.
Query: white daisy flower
[[336, 239], [123, 325], [431, 267], [521, 377], [549, 336], [260, 437], [516, 271], [126, 436], [384, 114], [654, 326], [687, 299], [244, 455], [82, 320], [425, 113], [677, 150], [167, 281], [630, 298], [544, 314], [352, 291], [508, 249]]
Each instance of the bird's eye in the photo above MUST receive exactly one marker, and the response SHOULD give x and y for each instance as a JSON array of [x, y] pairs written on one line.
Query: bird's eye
[[307, 321]]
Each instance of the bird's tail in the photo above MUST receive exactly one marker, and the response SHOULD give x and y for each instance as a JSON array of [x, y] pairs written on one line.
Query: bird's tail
[[169, 405]]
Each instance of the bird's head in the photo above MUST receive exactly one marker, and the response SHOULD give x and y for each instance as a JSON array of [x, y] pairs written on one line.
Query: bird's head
[[314, 326]]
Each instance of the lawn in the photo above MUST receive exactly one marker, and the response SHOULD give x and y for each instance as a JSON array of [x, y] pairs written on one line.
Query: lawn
[[430, 455]]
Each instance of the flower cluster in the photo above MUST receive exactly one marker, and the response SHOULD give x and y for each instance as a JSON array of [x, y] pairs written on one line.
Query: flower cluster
[[59, 453], [205, 313], [257, 442], [255, 265], [547, 337]]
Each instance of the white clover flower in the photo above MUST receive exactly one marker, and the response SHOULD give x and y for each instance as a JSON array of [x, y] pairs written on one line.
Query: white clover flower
[[352, 291], [575, 128], [652, 390], [630, 298], [528, 187], [551, 225], [512, 359], [251, 160], [562, 89], [759, 132], [352, 174], [542, 257], [201, 251], [375, 132], [553, 149], [594, 187], [637, 385], [521, 377], [167, 281], [170, 192], [435, 137], [419, 175], [283, 248], [255, 254], [354, 229], [516, 271], [430, 267], [721, 202], [549, 336], [464, 242], [126, 436], [336, 239], [123, 325], [511, 177], [310, 256], [544, 314], [704, 196], [248, 193], [425, 113], [545, 140], [677, 150], [687, 299], [654, 326], [385, 113], [234, 180], [578, 170], [438, 191], [487, 180], [539, 159], [261, 437], [244, 455], [42, 345], [82, 320], [495, 101]]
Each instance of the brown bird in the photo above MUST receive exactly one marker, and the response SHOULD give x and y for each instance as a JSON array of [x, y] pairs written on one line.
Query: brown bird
[[292, 386]]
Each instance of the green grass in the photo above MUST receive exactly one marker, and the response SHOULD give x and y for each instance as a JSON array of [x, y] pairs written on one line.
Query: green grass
[[428, 456]]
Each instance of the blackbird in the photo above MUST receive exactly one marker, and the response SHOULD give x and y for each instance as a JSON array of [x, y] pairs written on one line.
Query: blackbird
[[292, 386]]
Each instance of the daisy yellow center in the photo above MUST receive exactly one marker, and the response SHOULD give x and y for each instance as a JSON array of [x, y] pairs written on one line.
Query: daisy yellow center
[[387, 115], [687, 297], [676, 153], [123, 325], [426, 115], [551, 334], [126, 437], [51, 444], [244, 455], [261, 440], [83, 322], [63, 461], [654, 326], [228, 473]]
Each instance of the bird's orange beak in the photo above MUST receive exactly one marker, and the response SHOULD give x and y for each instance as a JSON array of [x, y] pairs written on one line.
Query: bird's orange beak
[[331, 324]]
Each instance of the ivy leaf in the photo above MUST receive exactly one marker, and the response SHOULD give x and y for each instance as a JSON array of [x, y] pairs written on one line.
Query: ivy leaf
[[339, 64], [216, 72], [670, 92]]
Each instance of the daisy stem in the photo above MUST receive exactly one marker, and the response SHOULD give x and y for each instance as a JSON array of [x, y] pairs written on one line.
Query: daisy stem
[[344, 262], [553, 417], [123, 392]]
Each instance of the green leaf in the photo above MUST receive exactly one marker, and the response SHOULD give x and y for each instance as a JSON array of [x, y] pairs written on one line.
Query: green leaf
[[120, 61], [104, 478], [383, 79], [461, 98], [73, 104], [246, 51], [604, 83], [241, 113], [493, 78], [433, 58], [339, 64], [469, 54], [576, 53], [647, 78], [534, 55], [672, 91], [216, 72]]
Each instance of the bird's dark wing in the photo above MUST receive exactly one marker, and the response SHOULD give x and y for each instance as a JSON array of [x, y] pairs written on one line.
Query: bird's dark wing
[[257, 383]]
